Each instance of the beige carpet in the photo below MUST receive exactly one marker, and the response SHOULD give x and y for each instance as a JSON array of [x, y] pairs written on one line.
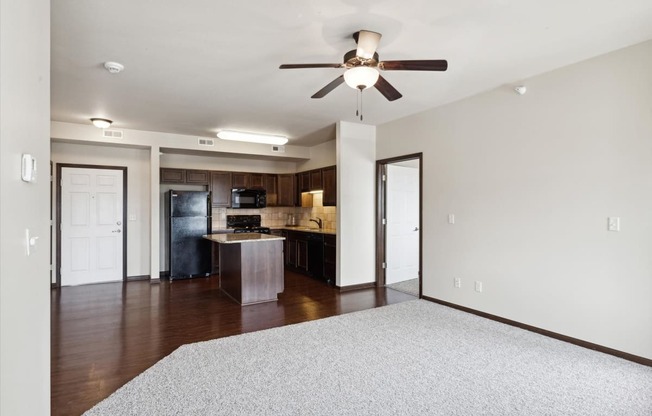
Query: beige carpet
[[412, 358]]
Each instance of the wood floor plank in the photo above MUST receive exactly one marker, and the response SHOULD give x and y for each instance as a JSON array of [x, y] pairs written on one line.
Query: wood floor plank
[[104, 335]]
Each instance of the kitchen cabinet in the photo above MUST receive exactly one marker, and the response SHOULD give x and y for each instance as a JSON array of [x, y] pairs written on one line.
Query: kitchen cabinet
[[191, 176], [329, 181], [286, 196], [315, 180], [256, 180], [270, 185], [303, 182], [329, 258], [220, 188], [296, 255], [247, 180], [199, 177], [239, 180], [169, 175]]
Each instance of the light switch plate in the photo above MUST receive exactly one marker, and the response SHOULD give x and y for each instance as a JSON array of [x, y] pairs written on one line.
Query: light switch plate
[[613, 224]]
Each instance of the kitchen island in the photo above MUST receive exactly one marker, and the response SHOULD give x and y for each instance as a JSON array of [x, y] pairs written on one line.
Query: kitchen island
[[251, 266]]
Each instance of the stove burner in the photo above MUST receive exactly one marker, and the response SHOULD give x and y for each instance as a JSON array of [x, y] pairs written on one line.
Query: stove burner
[[246, 224]]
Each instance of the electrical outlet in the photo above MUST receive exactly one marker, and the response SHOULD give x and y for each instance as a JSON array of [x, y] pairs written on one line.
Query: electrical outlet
[[458, 282], [478, 286]]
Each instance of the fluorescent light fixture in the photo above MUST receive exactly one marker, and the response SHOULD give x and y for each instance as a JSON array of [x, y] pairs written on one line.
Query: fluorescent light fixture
[[361, 77], [101, 123], [251, 137]]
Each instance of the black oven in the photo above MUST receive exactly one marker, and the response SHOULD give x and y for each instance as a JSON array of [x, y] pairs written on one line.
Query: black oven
[[248, 198]]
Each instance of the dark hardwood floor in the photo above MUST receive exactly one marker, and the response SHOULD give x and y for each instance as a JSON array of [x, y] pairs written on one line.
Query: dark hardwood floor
[[104, 335]]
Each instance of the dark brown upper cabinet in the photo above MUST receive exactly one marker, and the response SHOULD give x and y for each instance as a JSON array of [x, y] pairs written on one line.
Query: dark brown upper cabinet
[[315, 180], [240, 180], [329, 180], [220, 189], [303, 182], [270, 187], [286, 193], [256, 181], [200, 177], [169, 175], [173, 175]]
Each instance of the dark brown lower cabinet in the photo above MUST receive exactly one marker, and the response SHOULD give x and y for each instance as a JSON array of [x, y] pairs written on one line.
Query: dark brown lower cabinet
[[296, 255], [329, 257]]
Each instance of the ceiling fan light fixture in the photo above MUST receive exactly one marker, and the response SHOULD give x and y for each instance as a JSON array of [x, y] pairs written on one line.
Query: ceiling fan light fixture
[[101, 123], [361, 77], [242, 136]]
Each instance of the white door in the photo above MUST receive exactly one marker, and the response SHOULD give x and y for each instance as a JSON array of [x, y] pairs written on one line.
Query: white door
[[402, 231], [91, 225]]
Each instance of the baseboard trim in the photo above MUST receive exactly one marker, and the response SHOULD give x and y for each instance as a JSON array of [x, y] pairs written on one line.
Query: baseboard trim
[[137, 278], [596, 347], [356, 287]]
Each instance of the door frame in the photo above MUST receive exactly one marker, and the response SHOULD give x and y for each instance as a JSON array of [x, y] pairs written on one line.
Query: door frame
[[381, 211], [60, 166]]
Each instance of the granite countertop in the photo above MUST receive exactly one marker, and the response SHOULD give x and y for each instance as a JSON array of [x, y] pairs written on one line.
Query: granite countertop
[[235, 238], [306, 229]]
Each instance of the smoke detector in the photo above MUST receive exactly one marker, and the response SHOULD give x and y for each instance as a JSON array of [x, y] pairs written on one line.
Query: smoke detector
[[520, 90], [113, 67]]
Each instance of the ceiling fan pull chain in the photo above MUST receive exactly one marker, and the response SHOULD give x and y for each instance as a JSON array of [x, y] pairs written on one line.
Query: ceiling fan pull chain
[[359, 111]]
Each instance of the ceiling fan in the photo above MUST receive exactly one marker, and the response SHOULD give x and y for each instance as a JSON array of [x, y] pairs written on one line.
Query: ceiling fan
[[362, 65]]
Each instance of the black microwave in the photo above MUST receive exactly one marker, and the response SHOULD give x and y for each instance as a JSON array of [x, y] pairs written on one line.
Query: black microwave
[[248, 198]]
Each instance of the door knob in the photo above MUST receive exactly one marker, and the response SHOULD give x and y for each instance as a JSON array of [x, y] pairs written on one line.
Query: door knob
[[116, 231], [416, 229], [119, 223]]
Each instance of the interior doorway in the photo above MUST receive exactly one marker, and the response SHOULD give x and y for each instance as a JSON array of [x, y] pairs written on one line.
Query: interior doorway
[[91, 224], [399, 236]]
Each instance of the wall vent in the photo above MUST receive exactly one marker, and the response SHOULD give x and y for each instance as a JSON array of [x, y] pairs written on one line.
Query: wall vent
[[112, 134], [278, 149], [205, 142]]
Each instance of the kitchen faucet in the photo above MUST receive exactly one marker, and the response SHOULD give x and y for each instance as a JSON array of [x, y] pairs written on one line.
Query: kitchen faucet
[[318, 221]]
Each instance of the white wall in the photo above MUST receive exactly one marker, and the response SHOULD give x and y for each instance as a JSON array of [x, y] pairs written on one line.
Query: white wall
[[321, 155], [138, 178], [532, 180], [356, 178], [24, 281]]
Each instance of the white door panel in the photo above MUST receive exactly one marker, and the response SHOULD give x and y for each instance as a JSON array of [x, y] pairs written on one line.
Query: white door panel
[[402, 233], [91, 225]]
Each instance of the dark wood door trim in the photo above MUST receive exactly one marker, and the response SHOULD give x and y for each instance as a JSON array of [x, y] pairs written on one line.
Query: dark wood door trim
[[381, 209], [60, 166]]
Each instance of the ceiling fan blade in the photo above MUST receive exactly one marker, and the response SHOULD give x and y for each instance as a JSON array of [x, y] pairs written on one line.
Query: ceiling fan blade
[[367, 43], [387, 89], [330, 87], [299, 66], [418, 65]]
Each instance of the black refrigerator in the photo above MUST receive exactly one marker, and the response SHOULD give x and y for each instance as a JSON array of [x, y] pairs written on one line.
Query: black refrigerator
[[189, 219]]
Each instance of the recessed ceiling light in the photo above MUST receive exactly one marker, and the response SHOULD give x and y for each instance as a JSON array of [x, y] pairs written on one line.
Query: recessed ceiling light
[[251, 137], [101, 123]]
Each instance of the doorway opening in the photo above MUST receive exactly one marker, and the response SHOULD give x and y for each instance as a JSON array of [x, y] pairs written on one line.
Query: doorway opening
[[399, 223], [91, 224]]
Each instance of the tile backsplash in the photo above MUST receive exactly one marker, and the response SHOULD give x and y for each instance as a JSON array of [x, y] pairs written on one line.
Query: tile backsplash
[[278, 216]]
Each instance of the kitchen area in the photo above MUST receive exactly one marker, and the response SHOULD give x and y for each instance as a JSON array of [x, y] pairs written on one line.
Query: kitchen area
[[242, 213]]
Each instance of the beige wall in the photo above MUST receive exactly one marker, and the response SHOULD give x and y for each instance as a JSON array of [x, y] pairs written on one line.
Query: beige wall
[[321, 156], [531, 180], [356, 164], [24, 280]]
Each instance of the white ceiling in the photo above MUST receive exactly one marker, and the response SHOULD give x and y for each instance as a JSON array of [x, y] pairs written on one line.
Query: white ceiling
[[197, 66]]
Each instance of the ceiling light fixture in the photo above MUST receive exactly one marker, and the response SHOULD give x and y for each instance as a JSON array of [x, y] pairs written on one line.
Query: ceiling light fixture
[[251, 137], [520, 90], [361, 77], [101, 123]]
